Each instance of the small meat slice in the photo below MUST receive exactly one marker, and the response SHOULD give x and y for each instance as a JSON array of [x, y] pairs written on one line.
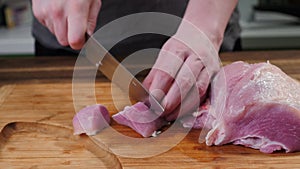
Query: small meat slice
[[140, 118], [255, 105], [91, 120]]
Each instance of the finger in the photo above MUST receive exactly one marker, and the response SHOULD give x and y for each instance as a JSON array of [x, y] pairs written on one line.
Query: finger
[[59, 21], [39, 12], [184, 81], [49, 25], [164, 71], [93, 15], [149, 78], [170, 59], [195, 97], [190, 103], [60, 31], [77, 25], [160, 84], [203, 82]]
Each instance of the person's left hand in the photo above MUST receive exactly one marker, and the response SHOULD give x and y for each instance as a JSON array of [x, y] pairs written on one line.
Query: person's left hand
[[180, 78]]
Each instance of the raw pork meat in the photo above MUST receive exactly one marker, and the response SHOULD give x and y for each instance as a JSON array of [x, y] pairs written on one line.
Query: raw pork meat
[[140, 118], [91, 120], [199, 119], [258, 107]]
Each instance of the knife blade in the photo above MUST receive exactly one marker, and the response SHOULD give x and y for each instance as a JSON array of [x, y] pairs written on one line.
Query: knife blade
[[118, 74]]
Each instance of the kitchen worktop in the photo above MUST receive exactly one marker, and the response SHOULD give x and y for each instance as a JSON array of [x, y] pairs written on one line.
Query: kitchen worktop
[[36, 111]]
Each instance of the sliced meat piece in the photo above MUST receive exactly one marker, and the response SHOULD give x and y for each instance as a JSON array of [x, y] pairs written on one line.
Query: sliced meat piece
[[258, 106], [140, 118], [91, 120]]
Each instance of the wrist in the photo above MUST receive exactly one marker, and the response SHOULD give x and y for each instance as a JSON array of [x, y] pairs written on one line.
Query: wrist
[[211, 17]]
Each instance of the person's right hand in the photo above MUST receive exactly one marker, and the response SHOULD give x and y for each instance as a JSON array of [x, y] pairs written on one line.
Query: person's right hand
[[181, 74], [68, 20]]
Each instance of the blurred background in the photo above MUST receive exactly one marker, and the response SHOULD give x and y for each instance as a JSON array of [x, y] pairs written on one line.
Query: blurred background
[[266, 25]]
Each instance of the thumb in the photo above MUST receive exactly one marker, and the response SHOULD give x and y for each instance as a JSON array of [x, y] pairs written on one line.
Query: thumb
[[93, 15]]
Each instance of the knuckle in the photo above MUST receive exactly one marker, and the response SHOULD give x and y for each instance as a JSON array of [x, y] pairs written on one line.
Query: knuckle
[[62, 41], [186, 81], [182, 53], [39, 14], [164, 76], [76, 42], [97, 3], [177, 49], [78, 5], [57, 12]]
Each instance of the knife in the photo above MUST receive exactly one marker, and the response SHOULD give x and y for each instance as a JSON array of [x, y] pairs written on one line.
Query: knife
[[118, 74]]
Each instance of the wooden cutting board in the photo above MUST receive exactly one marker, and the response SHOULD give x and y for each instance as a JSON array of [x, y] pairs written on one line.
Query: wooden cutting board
[[36, 111]]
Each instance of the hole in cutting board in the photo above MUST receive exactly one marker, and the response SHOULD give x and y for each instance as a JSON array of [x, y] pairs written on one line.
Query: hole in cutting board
[[36, 145]]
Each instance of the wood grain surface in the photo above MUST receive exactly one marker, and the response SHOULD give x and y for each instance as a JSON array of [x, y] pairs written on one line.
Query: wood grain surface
[[36, 111]]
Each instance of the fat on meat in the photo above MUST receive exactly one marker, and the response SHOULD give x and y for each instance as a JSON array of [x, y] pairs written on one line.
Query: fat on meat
[[258, 107]]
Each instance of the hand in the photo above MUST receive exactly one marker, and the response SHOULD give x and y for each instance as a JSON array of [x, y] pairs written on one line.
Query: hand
[[180, 77], [182, 72], [68, 20]]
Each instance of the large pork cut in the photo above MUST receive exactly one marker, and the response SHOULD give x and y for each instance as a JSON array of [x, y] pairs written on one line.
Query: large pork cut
[[255, 105]]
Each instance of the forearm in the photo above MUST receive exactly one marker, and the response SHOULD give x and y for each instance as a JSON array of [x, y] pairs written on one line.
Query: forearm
[[210, 16]]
